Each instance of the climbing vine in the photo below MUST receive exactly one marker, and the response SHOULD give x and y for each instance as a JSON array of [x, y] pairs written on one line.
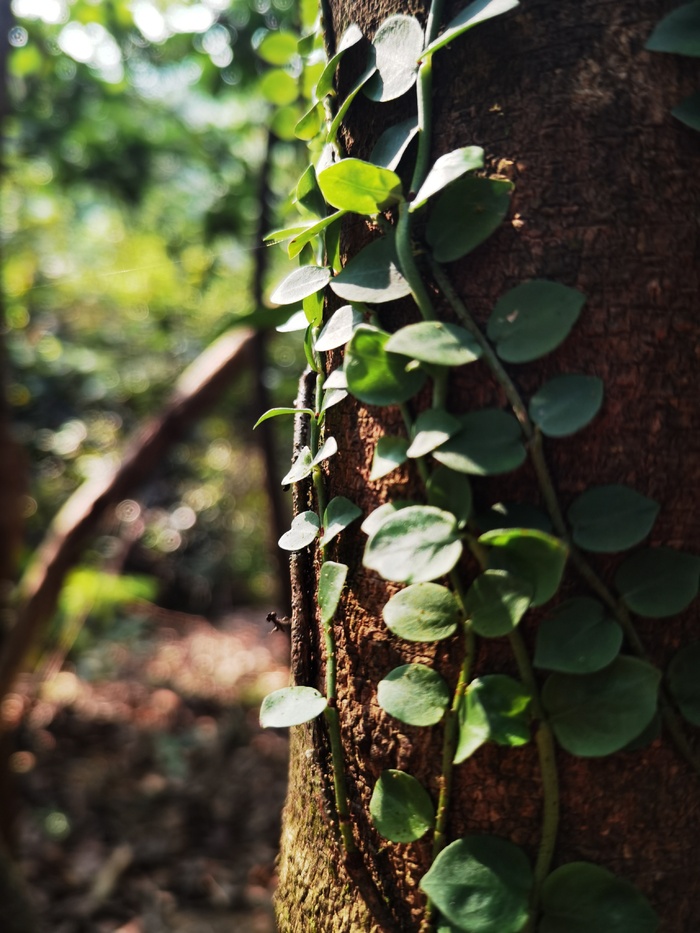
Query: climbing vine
[[600, 693]]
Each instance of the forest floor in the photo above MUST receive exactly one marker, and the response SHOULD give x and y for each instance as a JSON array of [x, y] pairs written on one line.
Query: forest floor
[[149, 797]]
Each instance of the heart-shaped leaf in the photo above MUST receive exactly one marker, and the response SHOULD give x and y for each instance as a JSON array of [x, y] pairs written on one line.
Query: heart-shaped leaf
[[452, 492], [611, 518], [566, 404], [291, 706], [398, 43], [422, 612], [431, 429], [330, 586], [580, 897], [400, 807], [578, 637], [466, 215], [379, 516], [496, 602], [414, 545], [445, 170], [658, 582], [393, 142], [354, 185], [435, 342], [532, 319], [481, 884], [339, 328], [679, 32], [304, 281], [372, 275], [389, 453], [496, 708], [339, 513], [301, 468], [414, 694], [531, 555], [375, 376], [489, 442], [305, 528], [598, 714]]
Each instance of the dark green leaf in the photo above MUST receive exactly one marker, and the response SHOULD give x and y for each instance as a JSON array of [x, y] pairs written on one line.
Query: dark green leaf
[[679, 32], [598, 714], [611, 518], [684, 681], [422, 612], [580, 897], [414, 694], [532, 319], [447, 169], [658, 582], [416, 544], [305, 528], [339, 329], [435, 342], [299, 284], [354, 185], [577, 638], [375, 376], [531, 555], [351, 36], [466, 215], [389, 453], [452, 492], [496, 602], [481, 884], [490, 442], [340, 513], [513, 515], [566, 404], [330, 586], [400, 807], [352, 94], [308, 194], [372, 275], [477, 12], [392, 144], [431, 429], [398, 43], [688, 111], [496, 708], [291, 706], [301, 468]]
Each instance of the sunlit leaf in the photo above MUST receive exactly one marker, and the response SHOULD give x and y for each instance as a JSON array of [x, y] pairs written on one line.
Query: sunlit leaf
[[397, 43], [304, 530], [351, 36], [414, 545], [354, 185], [431, 429], [389, 453], [414, 694], [447, 169], [435, 342], [379, 515], [422, 612], [375, 376], [279, 87], [339, 328], [400, 807], [291, 706], [310, 124], [301, 468], [276, 412], [278, 48], [330, 587], [496, 709], [339, 513], [298, 284]]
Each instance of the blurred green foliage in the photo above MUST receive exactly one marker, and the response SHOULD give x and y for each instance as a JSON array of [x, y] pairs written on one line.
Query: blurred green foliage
[[129, 213]]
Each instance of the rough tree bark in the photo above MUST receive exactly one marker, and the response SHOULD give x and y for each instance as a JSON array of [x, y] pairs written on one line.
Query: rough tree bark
[[565, 100]]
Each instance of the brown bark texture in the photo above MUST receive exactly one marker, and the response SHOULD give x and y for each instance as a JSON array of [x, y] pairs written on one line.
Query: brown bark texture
[[567, 103]]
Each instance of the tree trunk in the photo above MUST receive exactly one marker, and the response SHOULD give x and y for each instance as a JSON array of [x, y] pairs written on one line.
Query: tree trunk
[[567, 103]]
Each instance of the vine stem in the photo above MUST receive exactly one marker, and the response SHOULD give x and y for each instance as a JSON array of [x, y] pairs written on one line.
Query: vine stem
[[549, 496]]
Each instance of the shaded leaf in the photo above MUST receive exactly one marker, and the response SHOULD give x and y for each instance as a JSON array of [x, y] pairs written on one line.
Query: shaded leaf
[[611, 518], [496, 708], [400, 807], [352, 94], [688, 111], [466, 215], [447, 169], [496, 602], [532, 319], [389, 453], [351, 36], [577, 638], [330, 586], [435, 342], [375, 376], [477, 12], [431, 429], [684, 681], [339, 513], [514, 515], [534, 556], [422, 612], [679, 32], [489, 442], [414, 694], [393, 142], [566, 404], [658, 582], [291, 706], [372, 275], [416, 544], [452, 492]]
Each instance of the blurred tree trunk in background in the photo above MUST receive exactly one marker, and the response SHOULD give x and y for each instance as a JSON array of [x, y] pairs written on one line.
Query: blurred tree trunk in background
[[564, 100]]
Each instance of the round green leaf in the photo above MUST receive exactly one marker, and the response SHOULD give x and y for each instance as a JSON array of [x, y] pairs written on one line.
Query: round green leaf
[[398, 43], [481, 884], [496, 708], [445, 170], [532, 319], [414, 694], [414, 545], [580, 897], [330, 585], [489, 442], [452, 492], [679, 32], [658, 582], [389, 453], [422, 612], [466, 215], [400, 807], [372, 275], [496, 602], [375, 376], [291, 706], [279, 87], [531, 555], [683, 677], [393, 142], [611, 518], [431, 429], [304, 281], [339, 328], [577, 638], [379, 516], [339, 513], [513, 515], [304, 529], [598, 714], [354, 185], [435, 342], [277, 48], [566, 404]]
